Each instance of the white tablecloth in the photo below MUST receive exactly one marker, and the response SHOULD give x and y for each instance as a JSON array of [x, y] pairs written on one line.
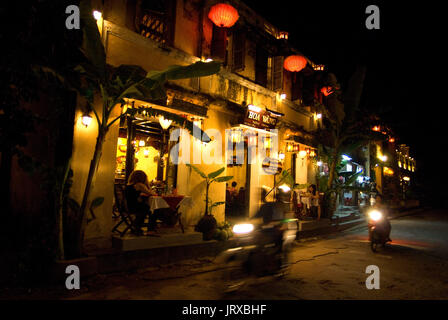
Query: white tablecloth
[[160, 203], [157, 203]]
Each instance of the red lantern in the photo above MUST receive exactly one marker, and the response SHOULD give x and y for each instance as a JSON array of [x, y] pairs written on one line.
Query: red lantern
[[223, 15], [326, 90], [294, 63]]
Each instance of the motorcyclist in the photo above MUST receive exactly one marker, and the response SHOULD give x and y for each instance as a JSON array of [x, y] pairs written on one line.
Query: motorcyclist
[[385, 226], [272, 213]]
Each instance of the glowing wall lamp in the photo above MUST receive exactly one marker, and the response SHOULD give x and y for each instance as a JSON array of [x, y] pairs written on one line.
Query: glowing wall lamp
[[281, 156], [97, 15], [86, 119]]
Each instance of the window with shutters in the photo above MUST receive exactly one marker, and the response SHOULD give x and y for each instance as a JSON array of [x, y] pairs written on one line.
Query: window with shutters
[[277, 73], [219, 44], [261, 67], [155, 20], [238, 51], [308, 91]]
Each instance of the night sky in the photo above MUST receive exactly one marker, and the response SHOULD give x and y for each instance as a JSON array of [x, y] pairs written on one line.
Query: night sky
[[401, 58]]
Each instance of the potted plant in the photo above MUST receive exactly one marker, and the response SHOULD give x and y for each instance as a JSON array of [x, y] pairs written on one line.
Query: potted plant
[[207, 224]]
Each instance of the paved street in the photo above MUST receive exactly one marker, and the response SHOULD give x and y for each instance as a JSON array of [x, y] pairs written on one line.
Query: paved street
[[412, 267]]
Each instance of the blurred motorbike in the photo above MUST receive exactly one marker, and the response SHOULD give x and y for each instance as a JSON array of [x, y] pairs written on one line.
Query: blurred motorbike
[[259, 250], [379, 229]]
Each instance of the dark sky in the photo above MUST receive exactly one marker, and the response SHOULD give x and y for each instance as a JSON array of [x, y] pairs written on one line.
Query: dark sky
[[401, 59]]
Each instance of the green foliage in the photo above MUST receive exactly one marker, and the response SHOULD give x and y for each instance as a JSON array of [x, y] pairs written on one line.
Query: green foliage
[[209, 179], [216, 173]]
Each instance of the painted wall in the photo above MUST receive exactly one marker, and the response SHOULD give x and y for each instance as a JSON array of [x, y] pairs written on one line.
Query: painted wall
[[102, 186], [124, 46]]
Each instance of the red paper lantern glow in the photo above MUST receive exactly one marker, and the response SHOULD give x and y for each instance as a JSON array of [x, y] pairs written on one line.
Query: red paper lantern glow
[[223, 15], [294, 63], [326, 91]]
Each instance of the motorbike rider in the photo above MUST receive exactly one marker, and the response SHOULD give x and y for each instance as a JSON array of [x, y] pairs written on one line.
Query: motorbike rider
[[385, 226], [272, 213]]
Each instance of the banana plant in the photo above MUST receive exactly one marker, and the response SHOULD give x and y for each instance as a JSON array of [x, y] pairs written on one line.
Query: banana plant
[[116, 85], [209, 179]]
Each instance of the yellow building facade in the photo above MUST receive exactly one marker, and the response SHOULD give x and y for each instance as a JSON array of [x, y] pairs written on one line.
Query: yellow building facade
[[184, 35]]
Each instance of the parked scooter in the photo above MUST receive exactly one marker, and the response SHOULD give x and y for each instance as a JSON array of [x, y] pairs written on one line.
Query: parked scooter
[[260, 250], [379, 229]]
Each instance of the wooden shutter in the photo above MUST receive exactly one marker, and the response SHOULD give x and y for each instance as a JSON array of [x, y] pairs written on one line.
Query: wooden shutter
[[219, 43], [261, 67], [308, 91], [277, 73], [238, 51], [297, 87]]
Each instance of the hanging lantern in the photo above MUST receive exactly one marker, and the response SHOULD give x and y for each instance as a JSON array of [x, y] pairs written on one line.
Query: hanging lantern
[[296, 148], [289, 147], [164, 123], [223, 15], [294, 63], [326, 91], [312, 153]]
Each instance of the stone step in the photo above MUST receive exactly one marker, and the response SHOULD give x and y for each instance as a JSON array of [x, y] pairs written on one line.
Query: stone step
[[132, 243]]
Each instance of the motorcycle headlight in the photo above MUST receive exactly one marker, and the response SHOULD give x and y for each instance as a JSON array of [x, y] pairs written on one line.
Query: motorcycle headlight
[[243, 228], [375, 215]]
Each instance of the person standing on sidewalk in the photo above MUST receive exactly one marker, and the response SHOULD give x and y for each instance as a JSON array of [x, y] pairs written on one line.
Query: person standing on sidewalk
[[315, 204]]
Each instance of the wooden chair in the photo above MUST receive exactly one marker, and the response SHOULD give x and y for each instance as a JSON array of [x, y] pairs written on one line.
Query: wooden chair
[[125, 215]]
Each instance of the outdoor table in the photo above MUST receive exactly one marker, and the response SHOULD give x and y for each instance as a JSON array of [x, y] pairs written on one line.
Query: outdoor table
[[157, 202], [173, 201]]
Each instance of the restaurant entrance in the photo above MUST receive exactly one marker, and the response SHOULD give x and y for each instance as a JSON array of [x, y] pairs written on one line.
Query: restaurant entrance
[[143, 145], [237, 190]]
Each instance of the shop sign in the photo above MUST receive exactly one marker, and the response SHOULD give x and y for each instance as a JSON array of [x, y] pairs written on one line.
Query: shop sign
[[259, 118]]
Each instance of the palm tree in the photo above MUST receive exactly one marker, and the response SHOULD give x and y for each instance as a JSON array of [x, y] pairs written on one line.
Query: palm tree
[[344, 129]]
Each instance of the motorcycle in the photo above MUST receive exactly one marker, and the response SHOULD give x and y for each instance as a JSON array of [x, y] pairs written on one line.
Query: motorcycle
[[379, 229], [260, 250]]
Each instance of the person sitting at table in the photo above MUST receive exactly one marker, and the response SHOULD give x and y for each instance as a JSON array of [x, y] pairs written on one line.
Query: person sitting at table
[[233, 191], [137, 192]]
